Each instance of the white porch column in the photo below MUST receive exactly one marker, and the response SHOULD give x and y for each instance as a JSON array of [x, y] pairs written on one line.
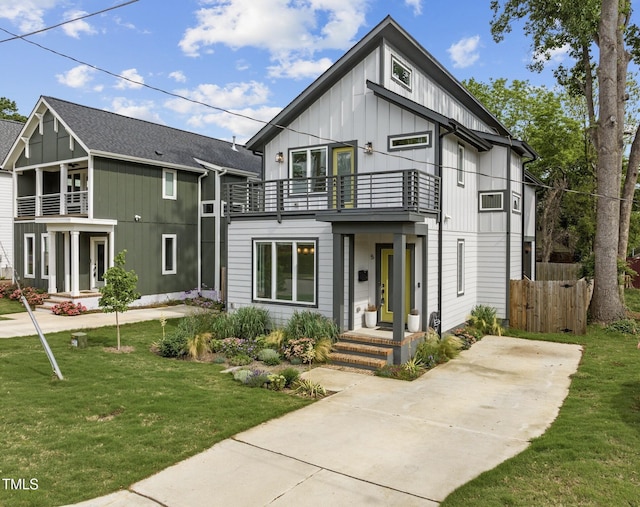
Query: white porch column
[[63, 189], [75, 263], [38, 191], [112, 248], [52, 263], [67, 267]]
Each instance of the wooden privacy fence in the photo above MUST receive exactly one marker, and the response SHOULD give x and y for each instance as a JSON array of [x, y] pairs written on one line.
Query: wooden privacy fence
[[550, 306], [557, 271]]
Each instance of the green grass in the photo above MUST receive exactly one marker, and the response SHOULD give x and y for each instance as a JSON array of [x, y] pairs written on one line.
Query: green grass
[[590, 456], [10, 306], [115, 418]]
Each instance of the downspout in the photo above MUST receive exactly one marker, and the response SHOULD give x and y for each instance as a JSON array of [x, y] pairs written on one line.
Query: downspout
[[199, 242], [508, 263], [535, 207], [218, 228]]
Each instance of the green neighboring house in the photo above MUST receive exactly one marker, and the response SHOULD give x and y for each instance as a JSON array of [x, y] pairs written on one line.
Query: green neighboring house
[[89, 183]]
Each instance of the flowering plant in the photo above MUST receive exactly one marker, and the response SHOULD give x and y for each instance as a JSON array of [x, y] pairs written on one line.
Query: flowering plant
[[33, 296], [68, 308], [237, 346], [302, 348]]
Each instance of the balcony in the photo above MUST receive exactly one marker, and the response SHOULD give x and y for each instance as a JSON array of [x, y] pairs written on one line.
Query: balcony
[[68, 203], [408, 190]]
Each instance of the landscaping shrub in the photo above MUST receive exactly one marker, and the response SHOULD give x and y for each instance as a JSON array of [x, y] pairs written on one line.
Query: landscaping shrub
[[239, 360], [241, 375], [625, 326], [172, 345], [33, 296], [433, 350], [68, 308], [306, 387], [276, 382], [198, 345], [222, 326], [274, 339], [308, 324], [290, 375], [321, 350], [269, 357], [301, 349], [485, 320], [235, 346], [251, 322], [397, 371], [257, 378]]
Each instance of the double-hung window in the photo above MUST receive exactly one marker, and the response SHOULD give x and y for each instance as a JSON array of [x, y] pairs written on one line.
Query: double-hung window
[[169, 254], [284, 271], [308, 170], [30, 255], [169, 184]]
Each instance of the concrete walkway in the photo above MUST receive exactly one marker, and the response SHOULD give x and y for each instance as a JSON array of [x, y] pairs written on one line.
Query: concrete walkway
[[19, 324], [379, 441]]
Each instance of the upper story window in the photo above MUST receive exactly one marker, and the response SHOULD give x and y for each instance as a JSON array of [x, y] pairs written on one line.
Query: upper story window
[[460, 165], [309, 166], [516, 203], [492, 201], [410, 141], [169, 184], [400, 72]]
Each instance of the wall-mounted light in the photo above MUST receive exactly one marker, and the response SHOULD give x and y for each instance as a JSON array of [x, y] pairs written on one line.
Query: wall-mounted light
[[279, 157], [137, 218], [368, 148]]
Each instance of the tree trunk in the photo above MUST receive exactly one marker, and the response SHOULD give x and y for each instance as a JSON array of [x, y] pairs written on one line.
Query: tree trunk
[[606, 305], [550, 216], [628, 193], [118, 330]]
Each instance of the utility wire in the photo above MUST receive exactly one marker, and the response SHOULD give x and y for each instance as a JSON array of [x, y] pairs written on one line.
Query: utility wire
[[269, 123]]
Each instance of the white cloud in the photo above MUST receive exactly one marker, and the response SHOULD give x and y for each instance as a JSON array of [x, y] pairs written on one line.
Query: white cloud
[[77, 27], [299, 69], [132, 80], [143, 110], [241, 126], [554, 55], [416, 4], [288, 30], [28, 15], [179, 76], [464, 53], [78, 77], [234, 95]]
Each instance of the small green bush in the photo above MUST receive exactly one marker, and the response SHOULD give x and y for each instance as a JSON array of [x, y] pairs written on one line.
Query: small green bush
[[266, 354], [251, 322], [173, 344], [485, 320], [257, 378], [277, 382], [290, 375], [223, 326], [241, 375], [434, 350], [398, 372], [308, 324], [239, 360], [624, 326], [306, 387], [274, 339]]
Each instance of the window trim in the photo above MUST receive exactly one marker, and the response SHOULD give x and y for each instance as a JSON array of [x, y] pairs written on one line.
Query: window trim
[[174, 174], [460, 265], [516, 197], [44, 255], [207, 203], [501, 193], [414, 135], [460, 164], [308, 150], [174, 270], [29, 237], [406, 68], [274, 267]]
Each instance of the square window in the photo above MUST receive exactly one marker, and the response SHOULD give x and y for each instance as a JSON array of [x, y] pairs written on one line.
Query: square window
[[516, 203], [169, 254], [400, 72], [208, 208], [169, 184], [284, 271]]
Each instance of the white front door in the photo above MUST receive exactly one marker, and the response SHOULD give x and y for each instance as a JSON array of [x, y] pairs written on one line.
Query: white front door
[[99, 261]]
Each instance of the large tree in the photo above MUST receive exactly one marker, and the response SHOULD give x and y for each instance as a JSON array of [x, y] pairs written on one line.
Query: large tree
[[585, 29], [9, 110]]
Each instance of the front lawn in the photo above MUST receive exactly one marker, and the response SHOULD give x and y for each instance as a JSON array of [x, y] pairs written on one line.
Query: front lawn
[[590, 456], [116, 418], [10, 306]]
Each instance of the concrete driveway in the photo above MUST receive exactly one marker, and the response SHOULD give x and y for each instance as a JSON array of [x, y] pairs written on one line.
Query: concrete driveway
[[379, 441]]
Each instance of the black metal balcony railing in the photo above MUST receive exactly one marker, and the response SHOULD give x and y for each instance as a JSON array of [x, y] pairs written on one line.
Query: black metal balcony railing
[[406, 190], [69, 203]]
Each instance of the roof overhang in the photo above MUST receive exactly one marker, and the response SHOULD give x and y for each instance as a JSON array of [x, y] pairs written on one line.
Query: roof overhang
[[65, 224], [227, 170]]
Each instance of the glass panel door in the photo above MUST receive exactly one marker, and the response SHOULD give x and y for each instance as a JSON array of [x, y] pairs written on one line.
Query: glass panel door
[[99, 261], [388, 284], [343, 172]]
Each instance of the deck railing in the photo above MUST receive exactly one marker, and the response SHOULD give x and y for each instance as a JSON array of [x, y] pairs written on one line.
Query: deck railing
[[388, 191], [73, 203]]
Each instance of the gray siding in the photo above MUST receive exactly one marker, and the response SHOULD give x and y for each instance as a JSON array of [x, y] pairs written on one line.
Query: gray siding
[[6, 224]]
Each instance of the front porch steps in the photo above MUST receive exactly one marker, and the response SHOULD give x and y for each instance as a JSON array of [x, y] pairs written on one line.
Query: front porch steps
[[361, 351], [61, 297]]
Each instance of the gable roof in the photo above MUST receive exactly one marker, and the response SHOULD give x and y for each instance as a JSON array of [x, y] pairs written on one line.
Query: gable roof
[[390, 31], [9, 130], [107, 134]]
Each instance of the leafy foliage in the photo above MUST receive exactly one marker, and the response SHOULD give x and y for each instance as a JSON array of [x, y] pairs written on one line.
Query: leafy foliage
[[9, 111], [485, 320], [306, 387], [68, 308], [290, 375], [250, 322], [308, 324]]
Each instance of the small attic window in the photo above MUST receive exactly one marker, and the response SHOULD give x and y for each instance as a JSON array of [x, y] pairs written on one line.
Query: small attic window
[[400, 72]]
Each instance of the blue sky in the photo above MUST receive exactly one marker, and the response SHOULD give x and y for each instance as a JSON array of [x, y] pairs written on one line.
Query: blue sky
[[247, 56]]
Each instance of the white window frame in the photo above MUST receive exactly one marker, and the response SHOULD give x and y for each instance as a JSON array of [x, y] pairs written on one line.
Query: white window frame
[[497, 192], [460, 267], [165, 194], [392, 140], [460, 165], [308, 151], [274, 269], [204, 213], [44, 255], [174, 251], [516, 202], [29, 237], [396, 61]]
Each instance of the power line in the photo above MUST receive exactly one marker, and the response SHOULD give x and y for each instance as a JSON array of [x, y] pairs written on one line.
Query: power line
[[269, 123], [65, 22]]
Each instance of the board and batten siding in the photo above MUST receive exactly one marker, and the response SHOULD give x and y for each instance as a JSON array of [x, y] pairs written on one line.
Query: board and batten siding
[[241, 234], [6, 224]]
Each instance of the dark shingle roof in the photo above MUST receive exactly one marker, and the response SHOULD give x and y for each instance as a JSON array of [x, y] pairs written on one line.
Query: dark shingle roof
[[9, 130], [106, 132]]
